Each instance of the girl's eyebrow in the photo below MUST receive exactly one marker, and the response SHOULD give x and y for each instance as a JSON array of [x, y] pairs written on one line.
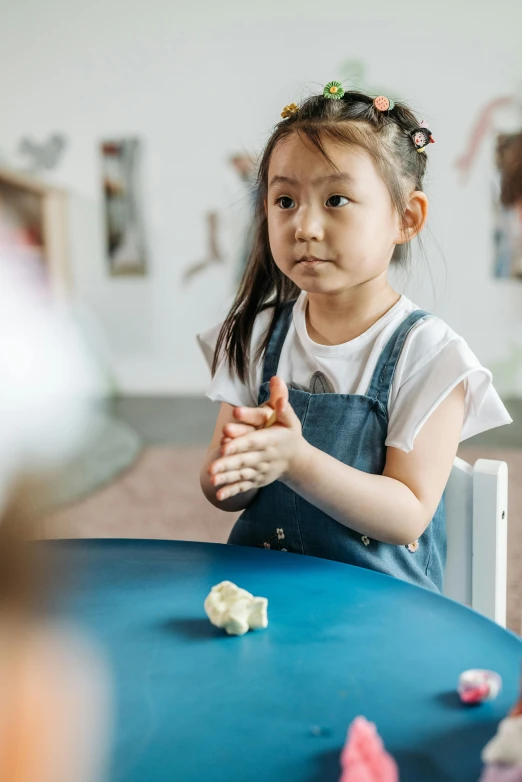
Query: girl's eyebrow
[[341, 177]]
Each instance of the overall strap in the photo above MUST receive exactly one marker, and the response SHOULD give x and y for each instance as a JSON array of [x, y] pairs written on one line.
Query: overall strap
[[277, 339], [382, 378]]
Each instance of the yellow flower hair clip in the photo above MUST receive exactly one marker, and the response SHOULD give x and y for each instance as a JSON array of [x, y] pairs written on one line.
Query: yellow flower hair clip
[[289, 110]]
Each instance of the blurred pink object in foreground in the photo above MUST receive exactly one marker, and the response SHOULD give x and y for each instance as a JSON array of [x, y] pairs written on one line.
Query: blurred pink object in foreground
[[364, 758]]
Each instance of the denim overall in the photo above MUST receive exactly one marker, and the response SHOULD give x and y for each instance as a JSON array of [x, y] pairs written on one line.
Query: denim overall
[[352, 428]]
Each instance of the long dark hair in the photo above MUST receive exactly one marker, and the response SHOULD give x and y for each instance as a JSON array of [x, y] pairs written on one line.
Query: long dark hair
[[353, 120]]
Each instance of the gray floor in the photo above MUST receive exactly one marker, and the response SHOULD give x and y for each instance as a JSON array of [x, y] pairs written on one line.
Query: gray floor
[[190, 421], [176, 420]]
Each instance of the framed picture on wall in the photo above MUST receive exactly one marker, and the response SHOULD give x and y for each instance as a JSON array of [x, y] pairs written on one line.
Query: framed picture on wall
[[124, 226], [33, 226]]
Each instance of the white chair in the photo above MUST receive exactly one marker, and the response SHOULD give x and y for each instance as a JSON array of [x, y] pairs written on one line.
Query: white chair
[[476, 517]]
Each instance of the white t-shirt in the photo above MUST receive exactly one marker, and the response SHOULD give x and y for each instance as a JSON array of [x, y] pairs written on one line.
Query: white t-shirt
[[433, 361]]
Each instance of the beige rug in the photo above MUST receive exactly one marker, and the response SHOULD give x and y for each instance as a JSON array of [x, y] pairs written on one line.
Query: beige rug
[[160, 497]]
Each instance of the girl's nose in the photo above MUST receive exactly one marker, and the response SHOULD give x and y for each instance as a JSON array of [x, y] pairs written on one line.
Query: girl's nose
[[308, 227]]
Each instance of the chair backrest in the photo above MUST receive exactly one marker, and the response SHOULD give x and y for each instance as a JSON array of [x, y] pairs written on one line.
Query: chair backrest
[[476, 520]]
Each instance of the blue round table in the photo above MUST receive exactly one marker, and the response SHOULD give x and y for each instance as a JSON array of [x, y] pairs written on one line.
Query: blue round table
[[193, 704]]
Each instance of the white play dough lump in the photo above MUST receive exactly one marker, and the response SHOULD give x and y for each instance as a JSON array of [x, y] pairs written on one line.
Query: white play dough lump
[[234, 609]]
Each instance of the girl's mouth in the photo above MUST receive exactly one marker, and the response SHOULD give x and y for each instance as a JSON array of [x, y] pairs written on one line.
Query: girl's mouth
[[311, 261]]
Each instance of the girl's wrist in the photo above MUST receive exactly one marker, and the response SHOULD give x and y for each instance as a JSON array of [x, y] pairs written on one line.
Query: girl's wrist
[[298, 464]]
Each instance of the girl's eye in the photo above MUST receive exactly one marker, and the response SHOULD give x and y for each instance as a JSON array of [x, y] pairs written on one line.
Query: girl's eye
[[334, 200], [285, 202]]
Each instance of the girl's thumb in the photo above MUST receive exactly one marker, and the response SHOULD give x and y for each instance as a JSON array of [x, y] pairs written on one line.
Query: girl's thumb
[[285, 413], [278, 390]]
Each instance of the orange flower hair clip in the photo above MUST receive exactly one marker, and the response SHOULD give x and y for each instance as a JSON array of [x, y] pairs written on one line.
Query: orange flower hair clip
[[382, 103]]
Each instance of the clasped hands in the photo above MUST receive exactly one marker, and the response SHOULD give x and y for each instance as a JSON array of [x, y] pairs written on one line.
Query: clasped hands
[[252, 455]]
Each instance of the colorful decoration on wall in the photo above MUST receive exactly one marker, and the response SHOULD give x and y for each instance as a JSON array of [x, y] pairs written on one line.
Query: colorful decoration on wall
[[502, 119], [245, 169], [213, 254]]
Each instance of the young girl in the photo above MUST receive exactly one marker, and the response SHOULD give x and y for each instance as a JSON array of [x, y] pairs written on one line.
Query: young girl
[[370, 394]]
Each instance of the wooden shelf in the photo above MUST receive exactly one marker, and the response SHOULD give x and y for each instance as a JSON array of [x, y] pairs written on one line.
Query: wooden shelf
[[53, 226]]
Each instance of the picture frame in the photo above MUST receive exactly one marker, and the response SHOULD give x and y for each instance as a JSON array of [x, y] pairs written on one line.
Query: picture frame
[[125, 242]]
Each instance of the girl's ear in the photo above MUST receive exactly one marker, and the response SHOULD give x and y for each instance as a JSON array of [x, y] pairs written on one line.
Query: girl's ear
[[415, 216]]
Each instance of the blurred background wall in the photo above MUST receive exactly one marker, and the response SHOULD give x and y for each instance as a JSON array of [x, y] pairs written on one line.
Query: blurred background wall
[[198, 82]]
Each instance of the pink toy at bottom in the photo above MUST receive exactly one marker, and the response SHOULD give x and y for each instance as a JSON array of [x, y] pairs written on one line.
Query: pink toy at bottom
[[364, 758]]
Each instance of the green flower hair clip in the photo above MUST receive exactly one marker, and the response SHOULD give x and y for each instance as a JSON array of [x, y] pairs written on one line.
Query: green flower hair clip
[[333, 90]]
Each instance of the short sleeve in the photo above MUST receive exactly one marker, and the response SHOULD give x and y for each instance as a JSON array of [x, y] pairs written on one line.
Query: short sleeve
[[433, 362], [225, 386]]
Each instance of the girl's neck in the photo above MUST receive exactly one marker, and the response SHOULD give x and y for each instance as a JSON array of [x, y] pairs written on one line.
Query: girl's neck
[[335, 319]]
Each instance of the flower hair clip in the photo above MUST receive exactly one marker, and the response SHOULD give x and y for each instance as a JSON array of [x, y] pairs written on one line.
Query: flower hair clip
[[334, 90], [382, 103], [289, 110], [421, 137]]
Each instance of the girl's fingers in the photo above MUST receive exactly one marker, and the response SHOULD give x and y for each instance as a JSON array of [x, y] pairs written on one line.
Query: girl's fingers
[[249, 443], [278, 390], [235, 476], [254, 416], [235, 488], [237, 430], [231, 463]]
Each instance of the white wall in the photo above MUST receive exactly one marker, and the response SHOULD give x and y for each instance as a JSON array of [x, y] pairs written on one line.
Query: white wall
[[200, 80]]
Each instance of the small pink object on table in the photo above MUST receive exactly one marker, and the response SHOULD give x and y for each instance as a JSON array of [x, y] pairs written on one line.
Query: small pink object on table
[[364, 758], [477, 685]]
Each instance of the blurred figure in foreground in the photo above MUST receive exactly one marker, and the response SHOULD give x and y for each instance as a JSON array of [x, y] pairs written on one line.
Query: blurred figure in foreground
[[54, 708]]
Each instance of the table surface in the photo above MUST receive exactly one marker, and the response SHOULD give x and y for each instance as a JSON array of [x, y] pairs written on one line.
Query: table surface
[[194, 704]]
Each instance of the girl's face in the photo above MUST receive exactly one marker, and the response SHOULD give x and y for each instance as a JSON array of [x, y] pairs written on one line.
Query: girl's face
[[329, 230]]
